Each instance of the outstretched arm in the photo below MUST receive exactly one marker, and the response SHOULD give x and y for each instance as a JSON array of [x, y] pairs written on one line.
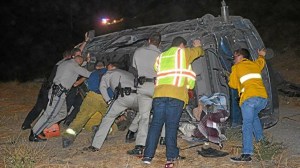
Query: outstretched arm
[[83, 44], [261, 58]]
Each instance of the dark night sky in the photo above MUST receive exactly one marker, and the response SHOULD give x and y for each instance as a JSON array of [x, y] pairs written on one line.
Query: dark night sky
[[36, 32]]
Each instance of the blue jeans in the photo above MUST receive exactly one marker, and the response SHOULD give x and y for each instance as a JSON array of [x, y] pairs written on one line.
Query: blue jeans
[[251, 122], [165, 111]]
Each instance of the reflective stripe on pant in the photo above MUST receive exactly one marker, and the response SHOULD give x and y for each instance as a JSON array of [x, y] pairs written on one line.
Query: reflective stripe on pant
[[53, 114], [118, 106], [91, 104]]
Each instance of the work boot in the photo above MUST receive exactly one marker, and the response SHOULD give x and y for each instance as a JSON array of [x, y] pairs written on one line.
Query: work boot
[[130, 137], [36, 138], [210, 152], [176, 159], [137, 151], [242, 158], [91, 149], [66, 142], [147, 160], [162, 141], [25, 126]]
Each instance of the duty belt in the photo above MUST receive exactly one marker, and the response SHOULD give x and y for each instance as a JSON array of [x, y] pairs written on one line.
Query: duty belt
[[127, 91], [142, 79], [123, 91], [149, 79], [57, 90]]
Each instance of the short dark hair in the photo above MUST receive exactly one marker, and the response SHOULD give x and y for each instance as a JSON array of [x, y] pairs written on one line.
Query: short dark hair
[[74, 50], [177, 41], [66, 53], [244, 52], [155, 38], [115, 64], [100, 64]]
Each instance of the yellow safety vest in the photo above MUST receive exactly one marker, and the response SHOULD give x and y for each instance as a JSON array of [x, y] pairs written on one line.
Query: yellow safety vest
[[172, 69]]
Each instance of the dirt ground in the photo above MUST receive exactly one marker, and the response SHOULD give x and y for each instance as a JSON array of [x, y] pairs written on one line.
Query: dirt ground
[[16, 151], [16, 99]]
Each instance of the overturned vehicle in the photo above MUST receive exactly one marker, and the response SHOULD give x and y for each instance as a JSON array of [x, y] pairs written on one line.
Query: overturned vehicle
[[219, 36]]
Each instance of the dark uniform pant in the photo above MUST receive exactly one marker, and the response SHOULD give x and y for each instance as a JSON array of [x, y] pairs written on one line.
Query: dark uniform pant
[[74, 99], [40, 105]]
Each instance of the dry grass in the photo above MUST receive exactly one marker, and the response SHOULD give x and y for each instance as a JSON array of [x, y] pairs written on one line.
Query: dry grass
[[267, 149], [21, 97], [19, 153], [17, 97]]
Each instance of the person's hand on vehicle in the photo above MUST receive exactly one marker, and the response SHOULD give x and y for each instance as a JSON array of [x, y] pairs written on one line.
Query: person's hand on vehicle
[[88, 57], [262, 52], [197, 43], [86, 39]]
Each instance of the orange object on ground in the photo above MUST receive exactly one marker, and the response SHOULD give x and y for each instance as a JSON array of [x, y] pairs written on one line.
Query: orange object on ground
[[52, 131]]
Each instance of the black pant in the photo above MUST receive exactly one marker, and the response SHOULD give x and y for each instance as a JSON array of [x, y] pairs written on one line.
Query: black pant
[[77, 101], [40, 105]]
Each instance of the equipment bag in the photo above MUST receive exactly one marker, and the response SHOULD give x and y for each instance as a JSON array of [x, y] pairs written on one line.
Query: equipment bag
[[52, 131]]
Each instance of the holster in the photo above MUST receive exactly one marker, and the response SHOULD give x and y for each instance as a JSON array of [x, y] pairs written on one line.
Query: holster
[[57, 90], [136, 82], [142, 79], [116, 93], [127, 91], [121, 92]]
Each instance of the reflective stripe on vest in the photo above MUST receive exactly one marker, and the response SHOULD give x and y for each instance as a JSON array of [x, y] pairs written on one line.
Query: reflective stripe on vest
[[250, 76], [247, 77], [171, 68], [191, 81]]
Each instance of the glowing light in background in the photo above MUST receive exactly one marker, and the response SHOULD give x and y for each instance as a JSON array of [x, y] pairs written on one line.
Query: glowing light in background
[[107, 21], [104, 21]]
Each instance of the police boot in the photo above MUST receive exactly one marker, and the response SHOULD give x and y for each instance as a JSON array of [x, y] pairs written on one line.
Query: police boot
[[137, 151], [130, 137], [35, 138], [210, 152], [91, 149], [162, 141], [25, 126], [66, 142]]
